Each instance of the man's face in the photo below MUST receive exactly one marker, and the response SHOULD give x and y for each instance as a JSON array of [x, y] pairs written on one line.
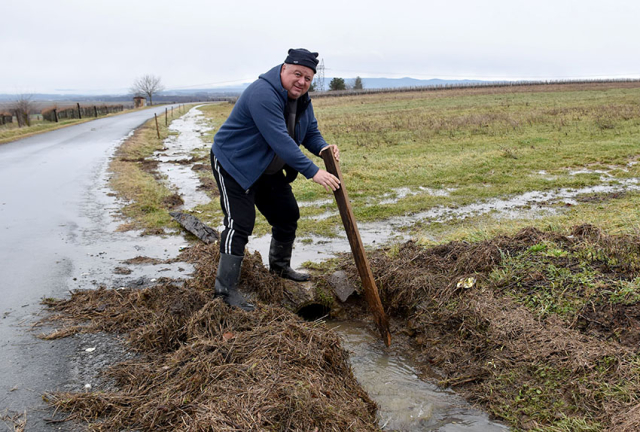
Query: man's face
[[296, 79]]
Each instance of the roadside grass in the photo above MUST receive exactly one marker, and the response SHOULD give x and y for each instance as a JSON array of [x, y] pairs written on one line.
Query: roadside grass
[[147, 200], [589, 285], [11, 132]]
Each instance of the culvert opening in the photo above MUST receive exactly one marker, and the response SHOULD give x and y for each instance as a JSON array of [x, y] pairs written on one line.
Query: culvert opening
[[313, 311]]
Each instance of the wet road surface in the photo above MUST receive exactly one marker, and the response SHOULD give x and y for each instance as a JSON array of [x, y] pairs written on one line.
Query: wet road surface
[[57, 234]]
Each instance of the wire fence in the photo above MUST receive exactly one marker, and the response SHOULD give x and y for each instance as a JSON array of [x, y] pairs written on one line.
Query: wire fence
[[353, 92]]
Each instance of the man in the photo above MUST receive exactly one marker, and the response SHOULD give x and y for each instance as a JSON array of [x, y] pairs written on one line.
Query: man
[[251, 152]]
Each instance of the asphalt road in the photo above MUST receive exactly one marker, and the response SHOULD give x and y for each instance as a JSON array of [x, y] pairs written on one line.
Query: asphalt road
[[57, 233]]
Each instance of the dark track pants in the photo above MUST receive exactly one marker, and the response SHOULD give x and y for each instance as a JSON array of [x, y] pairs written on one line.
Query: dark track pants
[[273, 197]]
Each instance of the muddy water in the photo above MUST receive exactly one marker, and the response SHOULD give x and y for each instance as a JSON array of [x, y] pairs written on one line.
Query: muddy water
[[406, 403], [190, 128]]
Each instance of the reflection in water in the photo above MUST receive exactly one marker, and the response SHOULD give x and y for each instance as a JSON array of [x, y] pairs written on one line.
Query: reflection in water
[[406, 403]]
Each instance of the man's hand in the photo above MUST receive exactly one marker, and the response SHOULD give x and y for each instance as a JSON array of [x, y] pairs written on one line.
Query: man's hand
[[334, 148], [327, 180]]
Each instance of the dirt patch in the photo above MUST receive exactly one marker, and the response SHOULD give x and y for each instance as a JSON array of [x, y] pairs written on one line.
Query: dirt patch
[[153, 232], [188, 161], [173, 201], [147, 165], [593, 198], [205, 366], [143, 260], [122, 270], [542, 334], [208, 184], [201, 167]]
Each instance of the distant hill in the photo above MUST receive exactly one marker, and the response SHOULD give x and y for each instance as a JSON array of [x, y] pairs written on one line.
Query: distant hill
[[186, 95], [374, 83]]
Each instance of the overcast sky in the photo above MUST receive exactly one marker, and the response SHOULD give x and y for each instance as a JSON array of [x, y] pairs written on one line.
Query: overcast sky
[[83, 46]]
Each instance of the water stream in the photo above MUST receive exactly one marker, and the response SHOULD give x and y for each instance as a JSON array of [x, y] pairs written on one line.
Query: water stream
[[406, 403]]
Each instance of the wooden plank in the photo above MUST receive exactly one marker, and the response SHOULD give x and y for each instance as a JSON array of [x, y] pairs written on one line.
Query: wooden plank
[[357, 248], [196, 227]]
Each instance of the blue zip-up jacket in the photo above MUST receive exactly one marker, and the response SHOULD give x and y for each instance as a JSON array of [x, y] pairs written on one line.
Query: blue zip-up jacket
[[256, 131]]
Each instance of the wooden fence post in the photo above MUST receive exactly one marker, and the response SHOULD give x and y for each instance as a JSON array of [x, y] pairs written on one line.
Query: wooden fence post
[[95, 110], [157, 127], [357, 248], [166, 119], [79, 113]]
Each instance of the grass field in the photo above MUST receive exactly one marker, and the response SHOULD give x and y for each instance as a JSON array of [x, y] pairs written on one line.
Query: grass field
[[456, 147]]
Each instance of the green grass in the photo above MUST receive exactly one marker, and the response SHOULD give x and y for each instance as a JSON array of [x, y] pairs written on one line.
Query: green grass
[[552, 279]]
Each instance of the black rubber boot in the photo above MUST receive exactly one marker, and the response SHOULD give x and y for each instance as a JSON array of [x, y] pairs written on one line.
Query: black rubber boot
[[280, 261], [227, 281]]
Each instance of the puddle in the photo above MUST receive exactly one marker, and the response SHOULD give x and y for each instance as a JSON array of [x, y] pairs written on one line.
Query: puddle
[[400, 193], [603, 173], [532, 205], [181, 177], [406, 403], [325, 215]]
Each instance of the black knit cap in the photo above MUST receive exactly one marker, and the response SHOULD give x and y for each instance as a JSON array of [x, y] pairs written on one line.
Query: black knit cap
[[302, 57]]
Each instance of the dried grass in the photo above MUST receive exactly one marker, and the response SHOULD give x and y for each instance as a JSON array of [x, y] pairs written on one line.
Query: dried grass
[[205, 366], [531, 372]]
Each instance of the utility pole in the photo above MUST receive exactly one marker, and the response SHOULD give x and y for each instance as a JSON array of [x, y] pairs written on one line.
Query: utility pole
[[320, 76]]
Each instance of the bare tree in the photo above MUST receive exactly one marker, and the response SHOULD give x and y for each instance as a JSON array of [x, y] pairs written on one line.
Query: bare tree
[[147, 85], [22, 107]]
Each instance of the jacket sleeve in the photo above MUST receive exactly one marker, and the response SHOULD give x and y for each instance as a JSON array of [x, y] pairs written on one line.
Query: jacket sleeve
[[313, 139], [267, 111]]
